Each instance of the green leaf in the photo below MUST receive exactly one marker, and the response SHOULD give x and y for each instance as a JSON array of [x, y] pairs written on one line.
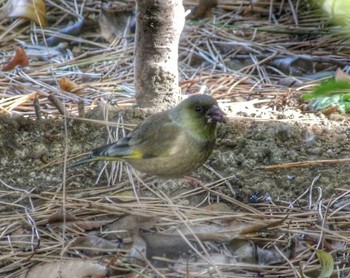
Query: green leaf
[[328, 88], [322, 103], [326, 262]]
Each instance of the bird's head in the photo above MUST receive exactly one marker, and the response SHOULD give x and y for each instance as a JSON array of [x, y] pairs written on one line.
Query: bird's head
[[204, 108], [199, 113]]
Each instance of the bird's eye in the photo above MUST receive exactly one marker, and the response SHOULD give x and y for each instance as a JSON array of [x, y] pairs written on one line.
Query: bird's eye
[[198, 109]]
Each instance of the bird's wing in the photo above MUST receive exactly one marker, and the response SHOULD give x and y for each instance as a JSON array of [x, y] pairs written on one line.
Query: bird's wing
[[157, 136]]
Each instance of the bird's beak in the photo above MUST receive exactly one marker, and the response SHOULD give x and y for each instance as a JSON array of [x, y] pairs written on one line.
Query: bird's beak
[[215, 114]]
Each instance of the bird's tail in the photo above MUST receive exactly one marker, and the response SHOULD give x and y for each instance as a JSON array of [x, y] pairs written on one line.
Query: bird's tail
[[88, 159], [102, 153]]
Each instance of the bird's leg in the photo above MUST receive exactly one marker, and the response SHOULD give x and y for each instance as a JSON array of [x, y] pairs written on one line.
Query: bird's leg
[[192, 180]]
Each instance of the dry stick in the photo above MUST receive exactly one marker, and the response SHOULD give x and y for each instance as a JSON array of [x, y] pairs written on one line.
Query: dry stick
[[106, 123], [293, 268], [184, 220], [37, 110], [229, 199], [305, 163], [81, 109], [342, 203], [57, 103], [294, 13]]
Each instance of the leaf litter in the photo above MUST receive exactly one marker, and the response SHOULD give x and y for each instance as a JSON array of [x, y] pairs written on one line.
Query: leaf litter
[[240, 53]]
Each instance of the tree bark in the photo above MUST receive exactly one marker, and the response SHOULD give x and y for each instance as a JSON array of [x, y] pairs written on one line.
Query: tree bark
[[158, 29]]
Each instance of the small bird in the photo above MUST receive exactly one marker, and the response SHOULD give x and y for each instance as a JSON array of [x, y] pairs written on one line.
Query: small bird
[[169, 144]]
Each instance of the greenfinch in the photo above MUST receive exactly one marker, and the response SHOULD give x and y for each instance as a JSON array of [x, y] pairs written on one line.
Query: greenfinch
[[169, 144]]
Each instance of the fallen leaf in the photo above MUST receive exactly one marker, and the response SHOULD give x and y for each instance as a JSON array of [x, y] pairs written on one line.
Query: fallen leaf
[[58, 216], [294, 65], [138, 250], [57, 220], [20, 59], [200, 265], [132, 222], [330, 96], [172, 244], [166, 245], [44, 53], [67, 85], [328, 88], [218, 207], [92, 245], [326, 263], [71, 268], [32, 9]]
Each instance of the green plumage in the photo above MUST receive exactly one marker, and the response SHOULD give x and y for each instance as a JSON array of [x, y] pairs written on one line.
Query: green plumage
[[171, 143]]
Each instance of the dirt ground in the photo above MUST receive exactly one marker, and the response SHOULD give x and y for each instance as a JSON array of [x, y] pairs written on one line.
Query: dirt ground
[[257, 59], [32, 154]]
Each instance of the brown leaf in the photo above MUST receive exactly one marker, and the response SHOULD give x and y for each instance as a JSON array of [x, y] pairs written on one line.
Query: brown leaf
[[57, 220], [132, 222], [171, 244], [20, 59], [225, 232], [58, 216], [125, 196], [82, 225], [67, 85], [219, 207]]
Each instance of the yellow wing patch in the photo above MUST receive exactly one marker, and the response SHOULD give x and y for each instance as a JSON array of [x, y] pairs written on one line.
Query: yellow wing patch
[[135, 154]]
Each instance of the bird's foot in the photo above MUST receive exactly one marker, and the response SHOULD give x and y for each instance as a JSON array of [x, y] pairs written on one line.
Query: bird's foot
[[193, 181]]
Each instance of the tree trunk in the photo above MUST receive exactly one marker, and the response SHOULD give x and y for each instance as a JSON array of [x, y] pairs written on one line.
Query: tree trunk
[[158, 29]]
